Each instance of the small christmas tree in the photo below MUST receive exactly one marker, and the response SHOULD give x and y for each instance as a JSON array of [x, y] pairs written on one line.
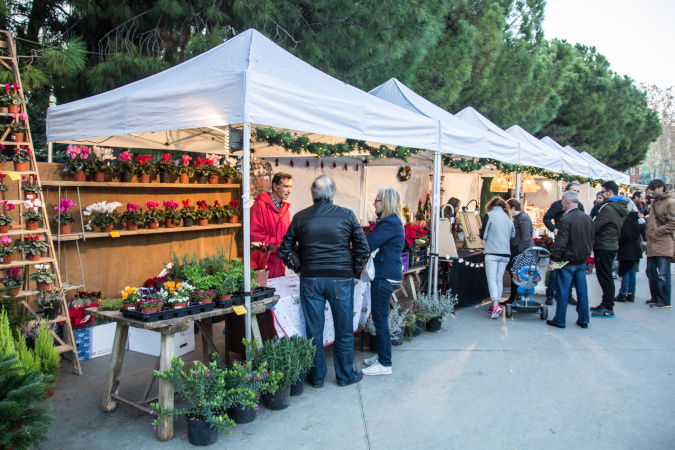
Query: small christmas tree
[[50, 358], [427, 208], [28, 359], [420, 211], [6, 339]]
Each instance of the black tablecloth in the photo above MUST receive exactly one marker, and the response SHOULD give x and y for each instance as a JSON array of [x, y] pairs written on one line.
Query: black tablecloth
[[469, 283]]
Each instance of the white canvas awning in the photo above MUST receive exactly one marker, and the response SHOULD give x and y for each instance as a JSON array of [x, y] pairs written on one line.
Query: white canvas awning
[[611, 174], [573, 157]]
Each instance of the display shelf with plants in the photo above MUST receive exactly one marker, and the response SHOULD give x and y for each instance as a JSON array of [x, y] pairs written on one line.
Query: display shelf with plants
[[152, 185]]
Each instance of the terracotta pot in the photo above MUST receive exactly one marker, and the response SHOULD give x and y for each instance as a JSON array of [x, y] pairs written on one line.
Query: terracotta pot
[[153, 225], [98, 177], [2, 165], [224, 297], [4, 228], [79, 176], [169, 223], [13, 292], [31, 225], [131, 226], [150, 310], [107, 229], [6, 259], [14, 109], [144, 178], [50, 393], [33, 257], [184, 178], [261, 277], [234, 219], [230, 181], [29, 195], [65, 229], [20, 166], [203, 222], [178, 305], [43, 285], [125, 177], [129, 306], [16, 137], [205, 301], [213, 179]]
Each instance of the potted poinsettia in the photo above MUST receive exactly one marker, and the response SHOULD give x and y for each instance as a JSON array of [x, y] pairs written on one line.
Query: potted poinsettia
[[102, 214], [233, 211], [144, 167], [171, 213], [32, 246], [65, 219], [126, 166], [203, 212], [32, 213], [165, 168], [184, 169], [260, 253], [133, 216], [30, 187], [5, 218], [153, 214], [6, 250], [13, 280], [21, 157], [101, 166], [43, 276], [187, 213], [77, 163]]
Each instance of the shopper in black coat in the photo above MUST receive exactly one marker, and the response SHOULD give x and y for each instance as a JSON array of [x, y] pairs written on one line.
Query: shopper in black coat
[[629, 254]]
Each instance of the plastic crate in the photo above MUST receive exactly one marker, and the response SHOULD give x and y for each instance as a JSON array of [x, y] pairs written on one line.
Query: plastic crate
[[168, 313], [258, 294], [418, 258], [405, 260]]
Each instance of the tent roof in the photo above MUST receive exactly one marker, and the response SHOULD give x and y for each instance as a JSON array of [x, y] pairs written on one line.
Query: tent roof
[[456, 136], [578, 165], [246, 79], [612, 174], [530, 155]]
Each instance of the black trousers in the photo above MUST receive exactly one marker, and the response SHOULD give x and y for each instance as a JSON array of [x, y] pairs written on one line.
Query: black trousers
[[603, 267]]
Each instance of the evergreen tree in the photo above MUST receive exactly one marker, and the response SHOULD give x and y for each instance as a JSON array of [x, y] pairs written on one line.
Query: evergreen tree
[[49, 357], [7, 347], [28, 359]]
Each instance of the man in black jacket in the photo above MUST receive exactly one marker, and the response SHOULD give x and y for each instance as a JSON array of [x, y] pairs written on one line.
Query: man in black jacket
[[551, 220], [573, 243], [332, 250]]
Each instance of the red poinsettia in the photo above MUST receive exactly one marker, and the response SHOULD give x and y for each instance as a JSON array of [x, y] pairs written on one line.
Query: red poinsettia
[[413, 232], [260, 253], [544, 241]]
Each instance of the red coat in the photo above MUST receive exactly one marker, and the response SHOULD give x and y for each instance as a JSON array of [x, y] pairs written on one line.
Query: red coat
[[269, 225]]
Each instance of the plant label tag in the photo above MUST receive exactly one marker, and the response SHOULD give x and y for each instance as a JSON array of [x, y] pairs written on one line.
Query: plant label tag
[[114, 234], [239, 309], [14, 176]]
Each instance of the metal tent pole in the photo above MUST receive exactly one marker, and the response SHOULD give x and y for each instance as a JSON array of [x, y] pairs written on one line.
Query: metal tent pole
[[246, 210], [436, 204]]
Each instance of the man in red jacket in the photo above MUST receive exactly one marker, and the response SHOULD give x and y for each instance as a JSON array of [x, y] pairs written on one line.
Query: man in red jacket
[[270, 219]]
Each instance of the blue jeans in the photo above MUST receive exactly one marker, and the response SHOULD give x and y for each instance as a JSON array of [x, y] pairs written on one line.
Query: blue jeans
[[658, 273], [564, 279], [552, 283], [380, 298], [628, 282], [339, 292]]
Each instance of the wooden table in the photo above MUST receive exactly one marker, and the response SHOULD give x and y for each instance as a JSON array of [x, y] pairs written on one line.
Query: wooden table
[[409, 285], [168, 329]]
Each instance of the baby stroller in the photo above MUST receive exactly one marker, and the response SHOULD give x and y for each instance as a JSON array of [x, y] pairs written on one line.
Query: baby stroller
[[526, 275]]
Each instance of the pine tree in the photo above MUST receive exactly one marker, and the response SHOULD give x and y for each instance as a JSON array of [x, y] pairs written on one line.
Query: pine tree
[[50, 358], [28, 359], [7, 347]]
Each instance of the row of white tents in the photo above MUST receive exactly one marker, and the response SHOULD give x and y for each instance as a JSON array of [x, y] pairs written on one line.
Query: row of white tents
[[250, 81]]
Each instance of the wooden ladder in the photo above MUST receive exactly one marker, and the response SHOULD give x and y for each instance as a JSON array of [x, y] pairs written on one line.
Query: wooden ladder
[[8, 60]]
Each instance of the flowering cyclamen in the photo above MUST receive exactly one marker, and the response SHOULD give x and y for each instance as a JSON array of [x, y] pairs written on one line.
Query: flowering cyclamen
[[78, 151], [186, 160], [65, 205], [170, 204], [133, 207], [124, 156], [151, 205]]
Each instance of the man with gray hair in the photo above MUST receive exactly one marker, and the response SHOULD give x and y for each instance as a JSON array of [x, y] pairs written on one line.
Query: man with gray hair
[[573, 244], [332, 250]]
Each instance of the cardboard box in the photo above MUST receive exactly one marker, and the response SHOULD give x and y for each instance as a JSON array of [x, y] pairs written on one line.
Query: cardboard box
[[148, 342], [102, 337]]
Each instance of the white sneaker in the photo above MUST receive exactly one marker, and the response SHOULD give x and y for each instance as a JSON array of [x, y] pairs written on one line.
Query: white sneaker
[[370, 361], [376, 369]]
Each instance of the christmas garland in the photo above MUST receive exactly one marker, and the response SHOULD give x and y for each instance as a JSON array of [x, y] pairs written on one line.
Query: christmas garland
[[404, 173], [298, 144]]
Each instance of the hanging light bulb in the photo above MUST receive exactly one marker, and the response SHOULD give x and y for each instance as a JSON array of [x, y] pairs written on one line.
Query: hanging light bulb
[[498, 184], [529, 185], [510, 182]]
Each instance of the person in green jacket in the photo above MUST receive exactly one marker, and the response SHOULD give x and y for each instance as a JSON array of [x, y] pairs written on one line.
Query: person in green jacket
[[608, 224]]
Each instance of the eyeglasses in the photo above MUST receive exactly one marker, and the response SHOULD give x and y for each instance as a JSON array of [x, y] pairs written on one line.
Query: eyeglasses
[[376, 200]]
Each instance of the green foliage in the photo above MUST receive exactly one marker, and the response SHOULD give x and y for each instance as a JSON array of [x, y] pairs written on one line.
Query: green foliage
[[28, 359], [110, 304], [7, 346], [434, 305], [282, 356], [244, 384], [50, 358], [305, 350], [21, 391]]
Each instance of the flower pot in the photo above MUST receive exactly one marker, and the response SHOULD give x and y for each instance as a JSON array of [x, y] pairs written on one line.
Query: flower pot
[[200, 432], [16, 137], [223, 298], [220, 220], [131, 226], [4, 228], [50, 392], [153, 225], [213, 179], [187, 222], [2, 165], [281, 399], [202, 180], [230, 181], [29, 196], [13, 292], [20, 166], [261, 277], [98, 177], [65, 229], [51, 313], [203, 222], [31, 225], [184, 178], [163, 177], [205, 301], [434, 324], [399, 338], [6, 259], [79, 176], [242, 415], [33, 257], [43, 286], [107, 229], [144, 178], [169, 223], [129, 306], [154, 309], [419, 326], [298, 387], [125, 177], [14, 109], [178, 305], [234, 219]]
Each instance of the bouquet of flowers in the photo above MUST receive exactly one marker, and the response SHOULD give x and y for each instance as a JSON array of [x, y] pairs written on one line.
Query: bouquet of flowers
[[102, 214], [144, 165], [171, 210], [6, 247], [203, 210], [133, 214], [32, 245], [78, 158], [21, 154], [6, 219], [13, 278], [29, 184], [33, 211], [43, 274], [153, 214], [260, 253], [64, 216], [125, 162]]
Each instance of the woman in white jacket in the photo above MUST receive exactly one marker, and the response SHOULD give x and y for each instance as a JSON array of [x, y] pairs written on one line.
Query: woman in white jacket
[[498, 230]]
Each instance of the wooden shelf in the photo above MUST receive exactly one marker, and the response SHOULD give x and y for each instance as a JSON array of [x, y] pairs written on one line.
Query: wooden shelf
[[21, 231], [66, 286], [25, 262], [29, 144], [106, 184], [65, 348], [143, 231], [28, 172]]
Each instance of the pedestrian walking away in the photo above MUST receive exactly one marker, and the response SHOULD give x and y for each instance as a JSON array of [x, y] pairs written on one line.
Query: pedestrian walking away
[[660, 243]]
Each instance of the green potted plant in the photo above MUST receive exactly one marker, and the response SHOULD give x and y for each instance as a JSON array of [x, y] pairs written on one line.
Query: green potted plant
[[3, 158], [396, 327], [6, 250], [33, 246], [12, 97], [78, 161], [64, 218], [126, 166], [232, 210], [133, 216], [184, 170], [103, 215], [305, 350], [282, 357], [130, 298], [203, 212], [226, 284], [150, 305], [219, 213], [171, 213], [202, 387], [101, 165], [49, 357], [165, 168], [50, 301], [17, 127], [43, 276], [438, 307], [187, 213], [153, 214], [5, 218], [21, 157], [244, 385], [202, 169], [176, 294], [144, 168], [32, 213], [13, 280], [204, 296], [30, 187]]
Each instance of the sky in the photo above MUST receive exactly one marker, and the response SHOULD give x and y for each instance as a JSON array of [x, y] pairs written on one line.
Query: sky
[[637, 38]]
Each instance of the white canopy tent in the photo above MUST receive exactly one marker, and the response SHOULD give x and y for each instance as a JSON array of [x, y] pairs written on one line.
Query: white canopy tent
[[246, 80], [612, 174], [589, 171]]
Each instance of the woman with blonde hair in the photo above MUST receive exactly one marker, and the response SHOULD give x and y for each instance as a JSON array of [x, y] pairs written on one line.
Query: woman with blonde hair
[[387, 236], [498, 230]]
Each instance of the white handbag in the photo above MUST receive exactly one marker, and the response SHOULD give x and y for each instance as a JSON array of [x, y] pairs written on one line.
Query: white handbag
[[368, 273]]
